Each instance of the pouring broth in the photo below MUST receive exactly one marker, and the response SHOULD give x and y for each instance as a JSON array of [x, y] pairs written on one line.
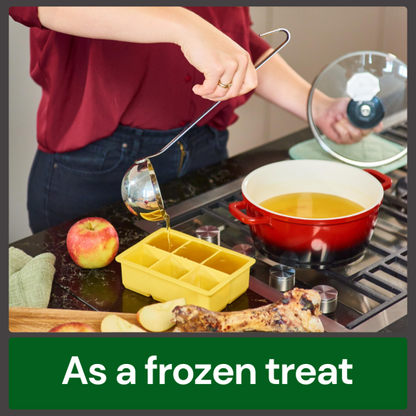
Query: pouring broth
[[159, 215], [311, 205]]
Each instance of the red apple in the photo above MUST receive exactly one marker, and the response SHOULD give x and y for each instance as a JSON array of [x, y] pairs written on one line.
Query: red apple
[[92, 243], [73, 327]]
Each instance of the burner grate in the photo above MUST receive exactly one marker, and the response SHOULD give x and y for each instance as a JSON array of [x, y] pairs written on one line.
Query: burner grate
[[396, 133], [380, 289]]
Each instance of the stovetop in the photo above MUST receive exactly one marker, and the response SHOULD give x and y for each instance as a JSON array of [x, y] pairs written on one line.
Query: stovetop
[[372, 291]]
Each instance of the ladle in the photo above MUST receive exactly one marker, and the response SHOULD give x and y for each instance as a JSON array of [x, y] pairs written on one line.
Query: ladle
[[140, 189]]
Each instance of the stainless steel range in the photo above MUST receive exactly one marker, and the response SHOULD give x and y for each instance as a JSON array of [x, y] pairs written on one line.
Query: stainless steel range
[[365, 296]]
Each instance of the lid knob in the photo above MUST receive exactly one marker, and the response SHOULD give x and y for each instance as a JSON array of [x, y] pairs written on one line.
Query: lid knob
[[367, 114]]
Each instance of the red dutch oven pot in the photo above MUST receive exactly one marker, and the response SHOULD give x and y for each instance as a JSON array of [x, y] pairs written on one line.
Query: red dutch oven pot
[[304, 242]]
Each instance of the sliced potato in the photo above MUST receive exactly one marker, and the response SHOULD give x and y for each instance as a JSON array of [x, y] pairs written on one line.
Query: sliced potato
[[113, 323], [157, 317]]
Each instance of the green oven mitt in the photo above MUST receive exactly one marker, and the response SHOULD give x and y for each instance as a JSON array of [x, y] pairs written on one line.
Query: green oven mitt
[[30, 279]]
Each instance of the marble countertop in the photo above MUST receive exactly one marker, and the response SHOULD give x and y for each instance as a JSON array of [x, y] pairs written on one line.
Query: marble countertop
[[102, 289]]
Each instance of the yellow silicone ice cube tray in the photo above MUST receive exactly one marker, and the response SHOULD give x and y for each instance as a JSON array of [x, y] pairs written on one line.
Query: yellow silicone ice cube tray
[[203, 273]]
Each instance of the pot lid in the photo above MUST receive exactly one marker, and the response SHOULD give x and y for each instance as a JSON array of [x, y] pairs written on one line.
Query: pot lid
[[375, 87]]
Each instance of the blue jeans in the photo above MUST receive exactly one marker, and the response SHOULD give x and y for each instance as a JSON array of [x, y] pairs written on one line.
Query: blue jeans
[[63, 186]]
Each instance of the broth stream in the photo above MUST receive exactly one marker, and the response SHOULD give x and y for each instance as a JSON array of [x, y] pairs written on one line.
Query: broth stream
[[311, 205], [159, 215]]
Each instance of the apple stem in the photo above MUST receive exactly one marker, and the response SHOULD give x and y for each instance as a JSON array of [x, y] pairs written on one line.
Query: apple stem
[[90, 227]]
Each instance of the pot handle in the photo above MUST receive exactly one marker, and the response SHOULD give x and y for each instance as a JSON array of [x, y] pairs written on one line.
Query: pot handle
[[235, 209], [385, 181]]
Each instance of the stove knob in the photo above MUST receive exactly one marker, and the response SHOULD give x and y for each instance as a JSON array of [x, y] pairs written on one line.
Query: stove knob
[[245, 249], [329, 298], [282, 277], [209, 233]]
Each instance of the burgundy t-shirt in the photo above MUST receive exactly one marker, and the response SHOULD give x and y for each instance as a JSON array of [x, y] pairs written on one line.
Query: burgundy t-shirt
[[90, 86]]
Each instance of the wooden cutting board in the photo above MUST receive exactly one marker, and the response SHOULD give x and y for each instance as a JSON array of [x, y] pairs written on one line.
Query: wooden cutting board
[[42, 320]]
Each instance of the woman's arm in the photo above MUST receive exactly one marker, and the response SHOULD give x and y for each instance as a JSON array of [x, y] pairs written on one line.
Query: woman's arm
[[281, 85], [205, 47]]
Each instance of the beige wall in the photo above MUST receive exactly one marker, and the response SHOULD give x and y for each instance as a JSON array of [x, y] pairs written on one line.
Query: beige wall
[[319, 36]]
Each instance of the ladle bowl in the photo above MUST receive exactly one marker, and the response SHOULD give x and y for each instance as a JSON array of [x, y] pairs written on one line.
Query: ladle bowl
[[141, 193], [140, 189]]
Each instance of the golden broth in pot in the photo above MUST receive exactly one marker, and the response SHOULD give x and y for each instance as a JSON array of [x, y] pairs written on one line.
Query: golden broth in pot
[[311, 205]]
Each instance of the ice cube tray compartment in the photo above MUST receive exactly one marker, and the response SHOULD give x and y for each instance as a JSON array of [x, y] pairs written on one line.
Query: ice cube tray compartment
[[225, 262], [203, 273], [173, 266], [203, 278], [145, 255], [196, 252], [162, 242]]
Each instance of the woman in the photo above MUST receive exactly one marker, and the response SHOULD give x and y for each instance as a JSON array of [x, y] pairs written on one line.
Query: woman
[[118, 83]]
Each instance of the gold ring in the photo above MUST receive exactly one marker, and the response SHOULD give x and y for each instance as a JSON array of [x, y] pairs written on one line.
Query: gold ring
[[224, 85]]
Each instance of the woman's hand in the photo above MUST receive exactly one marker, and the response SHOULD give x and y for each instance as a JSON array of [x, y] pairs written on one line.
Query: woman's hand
[[330, 115], [281, 85], [220, 59]]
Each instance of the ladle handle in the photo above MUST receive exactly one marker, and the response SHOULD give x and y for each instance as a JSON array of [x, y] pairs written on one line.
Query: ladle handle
[[186, 129]]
